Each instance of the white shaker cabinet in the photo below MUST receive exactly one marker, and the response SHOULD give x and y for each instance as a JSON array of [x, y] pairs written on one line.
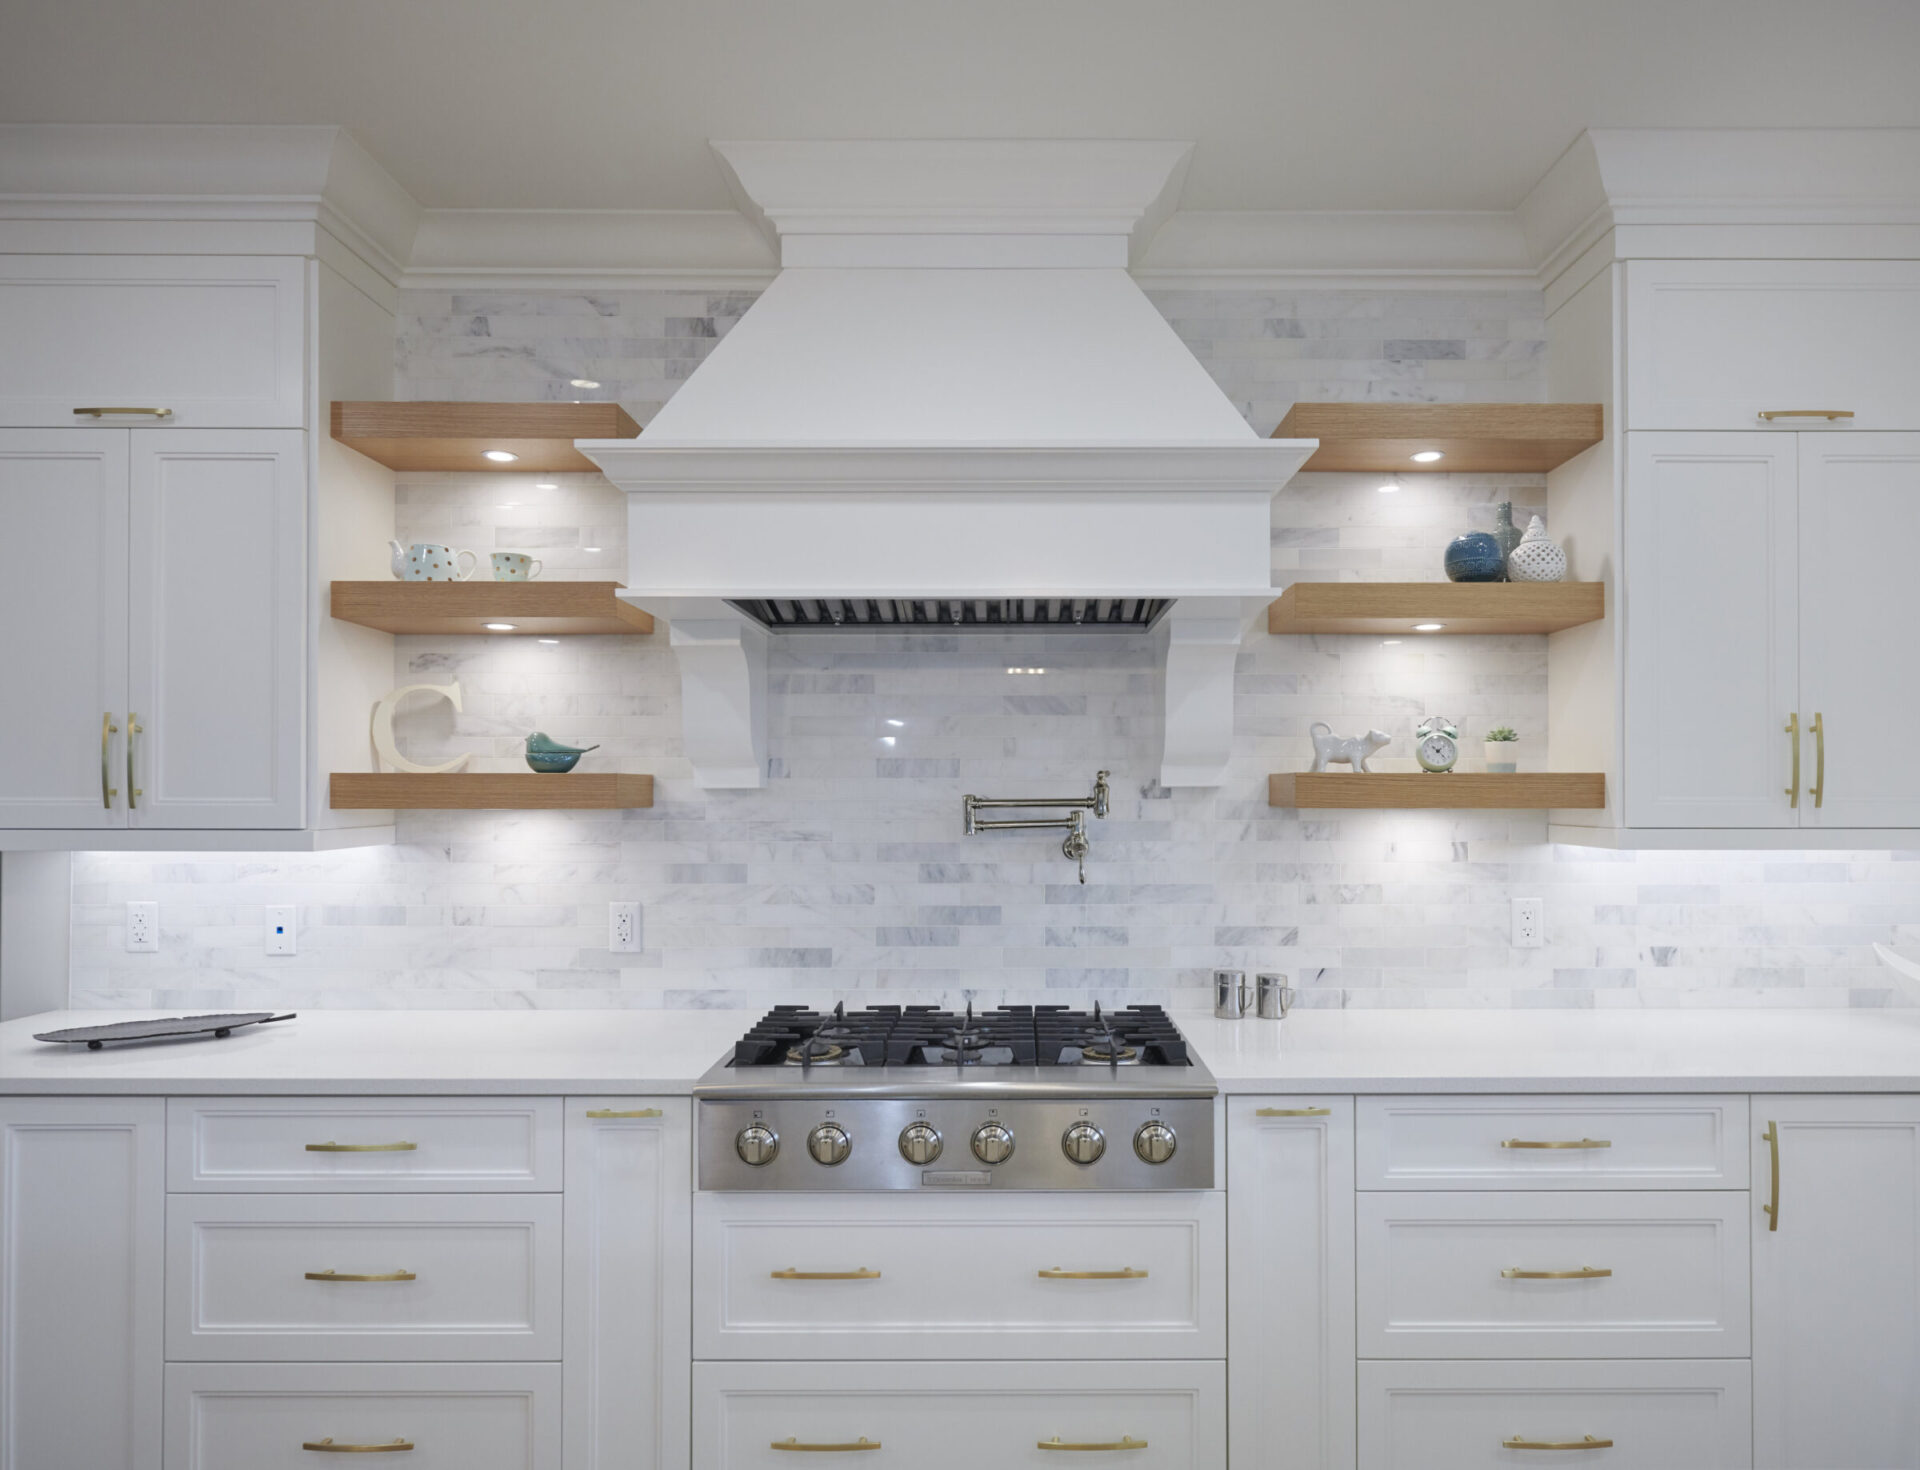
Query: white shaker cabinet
[[629, 1304], [63, 602], [82, 1238], [1290, 1319], [1859, 668], [1836, 1282], [155, 594]]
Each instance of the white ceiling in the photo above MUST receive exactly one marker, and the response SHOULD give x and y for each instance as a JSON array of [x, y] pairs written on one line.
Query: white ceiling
[[1339, 104]]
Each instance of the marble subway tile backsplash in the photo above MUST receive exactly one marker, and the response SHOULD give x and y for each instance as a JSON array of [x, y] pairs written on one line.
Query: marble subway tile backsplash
[[847, 877]]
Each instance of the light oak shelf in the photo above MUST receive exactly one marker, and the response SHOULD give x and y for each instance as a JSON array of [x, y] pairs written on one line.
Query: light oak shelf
[[1483, 437], [1418, 790], [543, 608], [487, 791], [455, 436], [1462, 607]]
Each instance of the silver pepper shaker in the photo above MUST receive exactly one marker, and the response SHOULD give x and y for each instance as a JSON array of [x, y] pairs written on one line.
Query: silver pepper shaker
[[1273, 997], [1230, 994]]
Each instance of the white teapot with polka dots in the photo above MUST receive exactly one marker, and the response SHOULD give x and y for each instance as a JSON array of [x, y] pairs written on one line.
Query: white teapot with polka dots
[[427, 561]]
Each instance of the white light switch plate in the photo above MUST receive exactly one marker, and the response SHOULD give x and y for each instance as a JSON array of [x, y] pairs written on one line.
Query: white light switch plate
[[143, 928], [282, 924]]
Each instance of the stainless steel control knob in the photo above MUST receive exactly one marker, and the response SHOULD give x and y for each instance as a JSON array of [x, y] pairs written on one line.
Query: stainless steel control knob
[[1083, 1143], [757, 1144], [993, 1143], [829, 1144], [919, 1143], [1155, 1143]]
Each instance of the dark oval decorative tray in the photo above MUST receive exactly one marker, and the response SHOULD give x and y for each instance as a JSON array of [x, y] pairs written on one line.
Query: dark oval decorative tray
[[221, 1025]]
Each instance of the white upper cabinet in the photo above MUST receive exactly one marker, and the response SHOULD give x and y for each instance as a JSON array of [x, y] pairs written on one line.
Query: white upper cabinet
[[1712, 629], [1713, 344], [1859, 670], [219, 341], [216, 629], [63, 601]]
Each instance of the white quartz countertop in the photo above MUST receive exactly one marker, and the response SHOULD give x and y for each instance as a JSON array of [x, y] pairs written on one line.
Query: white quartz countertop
[[586, 1052]]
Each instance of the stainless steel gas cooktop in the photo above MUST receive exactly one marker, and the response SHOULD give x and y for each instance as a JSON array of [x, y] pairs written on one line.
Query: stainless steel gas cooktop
[[915, 1097]]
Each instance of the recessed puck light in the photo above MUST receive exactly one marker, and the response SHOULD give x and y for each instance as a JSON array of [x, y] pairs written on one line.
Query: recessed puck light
[[1428, 627], [1428, 456], [499, 456], [500, 627]]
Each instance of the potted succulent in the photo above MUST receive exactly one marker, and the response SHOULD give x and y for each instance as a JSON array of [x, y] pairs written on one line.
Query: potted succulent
[[1503, 748]]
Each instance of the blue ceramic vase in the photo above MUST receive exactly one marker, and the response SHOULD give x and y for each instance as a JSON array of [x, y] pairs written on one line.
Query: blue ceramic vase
[[1475, 557]]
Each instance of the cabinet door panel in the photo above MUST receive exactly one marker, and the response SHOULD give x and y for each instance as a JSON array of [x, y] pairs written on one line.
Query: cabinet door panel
[[629, 1247], [1836, 1288], [219, 341], [1712, 629], [1859, 668], [82, 1236], [1290, 1323], [217, 617], [1713, 343], [63, 602]]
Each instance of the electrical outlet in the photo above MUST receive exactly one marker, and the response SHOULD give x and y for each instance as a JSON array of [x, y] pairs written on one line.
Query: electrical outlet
[[143, 928], [1529, 923], [283, 923], [623, 928]]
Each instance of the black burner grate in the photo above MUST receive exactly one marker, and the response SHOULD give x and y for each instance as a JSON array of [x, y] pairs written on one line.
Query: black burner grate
[[927, 1036]]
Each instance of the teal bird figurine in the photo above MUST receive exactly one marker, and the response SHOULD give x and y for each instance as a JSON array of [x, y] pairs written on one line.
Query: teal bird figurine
[[550, 758]]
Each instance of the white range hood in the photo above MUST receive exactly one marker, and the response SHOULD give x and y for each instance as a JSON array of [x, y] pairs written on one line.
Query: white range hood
[[952, 410]]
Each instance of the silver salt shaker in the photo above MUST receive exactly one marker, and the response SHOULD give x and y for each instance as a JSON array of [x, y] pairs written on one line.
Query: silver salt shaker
[[1230, 994], [1273, 997]]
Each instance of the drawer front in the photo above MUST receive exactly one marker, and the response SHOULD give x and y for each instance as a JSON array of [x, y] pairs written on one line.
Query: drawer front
[[219, 341], [1127, 1275], [351, 1145], [453, 1277], [1551, 1143], [1517, 1275], [960, 1416], [1713, 343], [1461, 1416], [258, 1416]]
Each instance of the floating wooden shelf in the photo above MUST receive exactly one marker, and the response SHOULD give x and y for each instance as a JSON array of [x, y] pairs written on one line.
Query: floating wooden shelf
[[454, 436], [578, 791], [1485, 437], [1404, 790], [543, 608], [1461, 607]]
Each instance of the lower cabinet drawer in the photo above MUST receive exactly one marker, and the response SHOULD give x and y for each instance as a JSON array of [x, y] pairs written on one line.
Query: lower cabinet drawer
[[285, 1416], [1475, 1416], [319, 1277], [959, 1416], [1553, 1275], [1022, 1276]]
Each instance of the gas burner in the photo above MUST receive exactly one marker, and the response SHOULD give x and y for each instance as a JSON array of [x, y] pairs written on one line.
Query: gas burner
[[815, 1051], [1105, 1053]]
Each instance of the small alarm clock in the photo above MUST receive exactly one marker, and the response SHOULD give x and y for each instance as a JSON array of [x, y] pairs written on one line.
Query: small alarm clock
[[1436, 744]]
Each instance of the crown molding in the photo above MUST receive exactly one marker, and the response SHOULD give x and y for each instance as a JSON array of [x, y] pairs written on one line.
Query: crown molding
[[580, 249], [1292, 249]]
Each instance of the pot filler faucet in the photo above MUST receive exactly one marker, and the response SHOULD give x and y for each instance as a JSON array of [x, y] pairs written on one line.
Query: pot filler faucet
[[1074, 847]]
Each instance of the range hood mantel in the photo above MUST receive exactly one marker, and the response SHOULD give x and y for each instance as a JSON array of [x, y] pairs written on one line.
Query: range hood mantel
[[959, 395]]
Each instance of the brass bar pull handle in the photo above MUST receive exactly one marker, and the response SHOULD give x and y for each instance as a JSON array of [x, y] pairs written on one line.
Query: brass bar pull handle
[[1571, 1143], [1293, 1112], [862, 1443], [134, 793], [1125, 1273], [151, 413], [107, 731], [1793, 729], [1589, 1443], [1772, 1136], [1770, 414], [1819, 760], [790, 1274], [328, 1447], [1585, 1273], [630, 1113], [361, 1148], [345, 1276], [1125, 1442]]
